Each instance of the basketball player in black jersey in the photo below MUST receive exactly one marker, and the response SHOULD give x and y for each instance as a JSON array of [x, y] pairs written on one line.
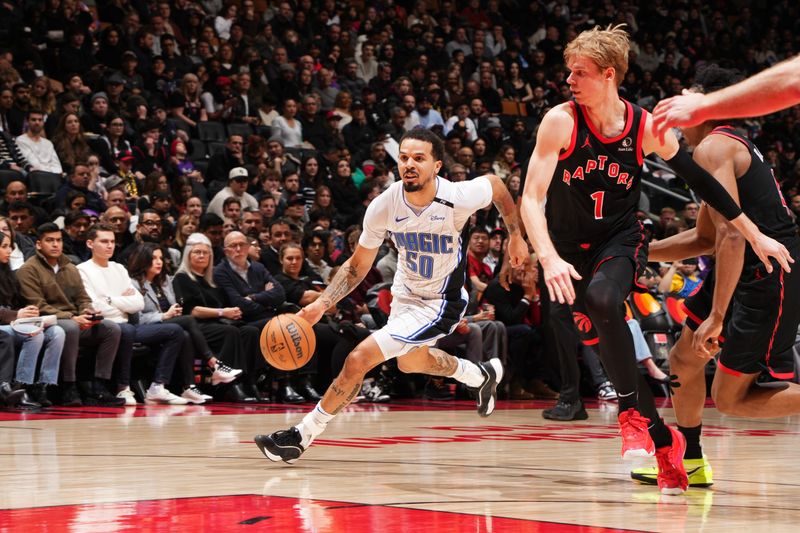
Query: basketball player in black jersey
[[756, 314], [587, 166]]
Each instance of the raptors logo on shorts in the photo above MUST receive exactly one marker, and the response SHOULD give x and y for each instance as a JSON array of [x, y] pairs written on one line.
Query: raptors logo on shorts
[[582, 322]]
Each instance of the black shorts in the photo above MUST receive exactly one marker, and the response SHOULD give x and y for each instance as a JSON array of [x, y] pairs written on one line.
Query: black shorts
[[760, 324], [632, 244]]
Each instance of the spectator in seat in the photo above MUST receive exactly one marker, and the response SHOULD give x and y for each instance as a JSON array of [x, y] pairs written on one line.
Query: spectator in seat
[[12, 161], [12, 306], [35, 148], [70, 142], [76, 226], [238, 179], [53, 284], [78, 181], [114, 296], [220, 164], [236, 344]]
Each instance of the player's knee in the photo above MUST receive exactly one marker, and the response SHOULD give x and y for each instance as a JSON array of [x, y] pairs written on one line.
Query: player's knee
[[603, 298], [356, 364], [724, 402]]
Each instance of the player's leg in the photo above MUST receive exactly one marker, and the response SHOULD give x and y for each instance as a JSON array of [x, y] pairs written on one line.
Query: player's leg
[[603, 302], [688, 401], [738, 394], [484, 376], [288, 445], [564, 337]]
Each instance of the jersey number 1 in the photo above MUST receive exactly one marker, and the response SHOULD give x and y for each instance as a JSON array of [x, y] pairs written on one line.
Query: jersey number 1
[[598, 204]]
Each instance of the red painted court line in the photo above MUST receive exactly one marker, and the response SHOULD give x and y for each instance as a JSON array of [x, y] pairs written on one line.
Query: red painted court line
[[265, 513]]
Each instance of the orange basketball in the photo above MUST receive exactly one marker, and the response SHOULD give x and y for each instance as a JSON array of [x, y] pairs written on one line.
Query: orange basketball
[[288, 342]]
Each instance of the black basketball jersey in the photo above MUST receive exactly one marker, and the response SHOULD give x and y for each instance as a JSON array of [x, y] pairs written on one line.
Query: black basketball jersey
[[594, 193], [761, 198]]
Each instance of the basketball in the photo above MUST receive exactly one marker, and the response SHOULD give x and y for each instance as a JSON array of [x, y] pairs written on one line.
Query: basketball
[[287, 342]]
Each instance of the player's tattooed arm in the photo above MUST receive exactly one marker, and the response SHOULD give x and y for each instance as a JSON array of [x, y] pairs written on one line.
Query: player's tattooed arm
[[517, 249], [440, 363], [345, 280]]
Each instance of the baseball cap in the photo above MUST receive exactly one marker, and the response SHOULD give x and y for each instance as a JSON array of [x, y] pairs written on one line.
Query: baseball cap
[[238, 173], [127, 155], [333, 114], [113, 181]]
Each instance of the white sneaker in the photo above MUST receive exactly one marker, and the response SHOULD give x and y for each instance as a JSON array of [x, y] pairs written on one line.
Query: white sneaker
[[157, 393], [127, 394], [224, 374], [607, 392], [193, 395]]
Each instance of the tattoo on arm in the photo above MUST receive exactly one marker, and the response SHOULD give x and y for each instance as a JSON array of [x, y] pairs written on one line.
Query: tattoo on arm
[[509, 213], [440, 363], [345, 280]]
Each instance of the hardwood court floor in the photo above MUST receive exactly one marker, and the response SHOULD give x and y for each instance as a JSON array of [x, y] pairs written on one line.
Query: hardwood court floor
[[401, 467]]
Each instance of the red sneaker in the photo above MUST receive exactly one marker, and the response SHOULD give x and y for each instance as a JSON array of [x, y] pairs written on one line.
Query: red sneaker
[[672, 478], [636, 441]]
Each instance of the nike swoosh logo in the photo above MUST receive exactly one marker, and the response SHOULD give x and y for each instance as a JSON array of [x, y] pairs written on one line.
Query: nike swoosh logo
[[396, 219]]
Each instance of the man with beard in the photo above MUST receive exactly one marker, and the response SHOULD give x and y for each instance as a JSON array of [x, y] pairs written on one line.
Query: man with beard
[[147, 230], [76, 223]]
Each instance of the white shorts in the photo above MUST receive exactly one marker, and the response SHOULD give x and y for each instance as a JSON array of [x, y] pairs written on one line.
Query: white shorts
[[414, 322]]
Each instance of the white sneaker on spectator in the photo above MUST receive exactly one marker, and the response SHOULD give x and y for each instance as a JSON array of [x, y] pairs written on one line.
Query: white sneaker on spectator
[[193, 395], [606, 392], [224, 374], [157, 393], [373, 392], [128, 395]]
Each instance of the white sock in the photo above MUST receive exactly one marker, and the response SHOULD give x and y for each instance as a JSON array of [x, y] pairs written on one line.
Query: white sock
[[468, 373], [313, 424]]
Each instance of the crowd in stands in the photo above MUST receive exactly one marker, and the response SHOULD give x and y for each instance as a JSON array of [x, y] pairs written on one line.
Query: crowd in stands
[[175, 173]]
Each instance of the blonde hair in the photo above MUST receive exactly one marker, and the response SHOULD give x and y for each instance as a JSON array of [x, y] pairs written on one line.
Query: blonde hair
[[606, 47]]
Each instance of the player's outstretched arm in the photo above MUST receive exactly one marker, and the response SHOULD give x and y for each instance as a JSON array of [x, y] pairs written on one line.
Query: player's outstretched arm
[[517, 249], [715, 194], [768, 91], [691, 243], [350, 274], [555, 133]]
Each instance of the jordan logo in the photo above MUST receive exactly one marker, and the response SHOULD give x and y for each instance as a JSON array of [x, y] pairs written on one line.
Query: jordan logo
[[586, 142]]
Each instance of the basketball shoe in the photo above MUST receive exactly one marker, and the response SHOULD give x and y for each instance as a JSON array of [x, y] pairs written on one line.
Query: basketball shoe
[[636, 441], [492, 371], [672, 477], [283, 445], [699, 472], [565, 411]]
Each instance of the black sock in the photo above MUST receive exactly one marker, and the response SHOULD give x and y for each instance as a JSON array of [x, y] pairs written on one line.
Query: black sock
[[631, 401], [693, 448], [659, 433]]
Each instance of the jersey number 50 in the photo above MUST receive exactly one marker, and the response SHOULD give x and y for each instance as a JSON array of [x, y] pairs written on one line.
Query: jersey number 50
[[421, 264]]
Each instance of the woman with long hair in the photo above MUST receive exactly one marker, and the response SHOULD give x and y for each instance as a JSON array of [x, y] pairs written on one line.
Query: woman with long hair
[[323, 205], [287, 127], [52, 338], [187, 224], [112, 46], [70, 141], [516, 87], [17, 255], [505, 161], [111, 144], [237, 346], [146, 268], [185, 104], [42, 95]]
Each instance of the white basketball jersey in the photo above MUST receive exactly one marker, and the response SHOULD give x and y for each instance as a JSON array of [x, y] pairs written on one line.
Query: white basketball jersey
[[431, 262]]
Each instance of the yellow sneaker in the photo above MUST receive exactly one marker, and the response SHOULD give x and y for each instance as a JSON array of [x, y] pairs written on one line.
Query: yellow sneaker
[[698, 470]]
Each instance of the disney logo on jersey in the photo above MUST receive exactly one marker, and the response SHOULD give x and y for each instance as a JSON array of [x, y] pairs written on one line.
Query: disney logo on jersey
[[435, 218], [626, 145], [601, 164]]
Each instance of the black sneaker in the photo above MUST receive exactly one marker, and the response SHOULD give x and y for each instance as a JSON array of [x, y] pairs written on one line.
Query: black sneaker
[[566, 411], [70, 396], [492, 371], [283, 445], [102, 398]]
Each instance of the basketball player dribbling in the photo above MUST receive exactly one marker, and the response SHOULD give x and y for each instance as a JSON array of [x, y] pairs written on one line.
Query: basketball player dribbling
[[587, 166], [424, 215], [762, 309]]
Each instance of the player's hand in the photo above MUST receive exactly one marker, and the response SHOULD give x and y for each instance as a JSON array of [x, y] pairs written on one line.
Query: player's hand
[[558, 275], [766, 247], [706, 338], [517, 250], [312, 312], [677, 111]]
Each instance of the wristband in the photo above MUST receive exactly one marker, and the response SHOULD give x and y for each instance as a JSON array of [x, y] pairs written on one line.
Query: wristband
[[219, 313]]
